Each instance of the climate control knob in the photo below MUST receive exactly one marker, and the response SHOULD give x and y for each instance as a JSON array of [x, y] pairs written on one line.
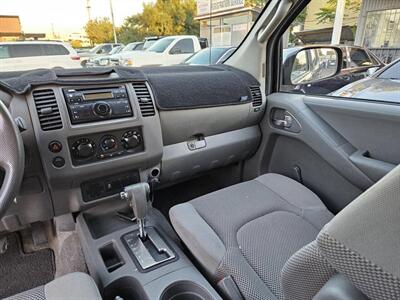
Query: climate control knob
[[83, 148], [131, 139], [108, 143]]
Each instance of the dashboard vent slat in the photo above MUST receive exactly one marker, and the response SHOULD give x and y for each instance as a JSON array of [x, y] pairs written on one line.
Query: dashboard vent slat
[[144, 98], [47, 110], [256, 95]]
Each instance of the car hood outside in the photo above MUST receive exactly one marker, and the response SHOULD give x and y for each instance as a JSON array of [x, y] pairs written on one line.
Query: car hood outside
[[371, 88]]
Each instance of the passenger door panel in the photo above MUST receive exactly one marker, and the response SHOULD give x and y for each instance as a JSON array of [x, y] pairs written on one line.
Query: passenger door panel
[[344, 146]]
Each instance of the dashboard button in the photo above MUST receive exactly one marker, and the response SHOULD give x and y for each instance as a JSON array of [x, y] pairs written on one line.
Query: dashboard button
[[55, 146], [58, 162]]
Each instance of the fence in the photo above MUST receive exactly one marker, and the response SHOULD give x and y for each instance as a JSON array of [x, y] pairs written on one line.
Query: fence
[[387, 55]]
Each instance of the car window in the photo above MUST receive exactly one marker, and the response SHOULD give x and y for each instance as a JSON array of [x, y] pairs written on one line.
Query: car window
[[392, 72], [351, 34], [25, 50], [51, 49], [4, 51], [359, 58], [183, 46], [105, 49], [203, 56], [94, 28], [160, 45]]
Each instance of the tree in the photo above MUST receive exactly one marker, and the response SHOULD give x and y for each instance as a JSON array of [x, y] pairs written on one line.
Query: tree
[[76, 44], [328, 12], [131, 30], [163, 17], [99, 31]]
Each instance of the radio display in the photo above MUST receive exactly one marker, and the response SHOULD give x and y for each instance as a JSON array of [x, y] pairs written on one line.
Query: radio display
[[97, 96]]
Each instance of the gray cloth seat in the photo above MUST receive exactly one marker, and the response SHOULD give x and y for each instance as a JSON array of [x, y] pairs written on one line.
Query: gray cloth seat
[[250, 230], [71, 286]]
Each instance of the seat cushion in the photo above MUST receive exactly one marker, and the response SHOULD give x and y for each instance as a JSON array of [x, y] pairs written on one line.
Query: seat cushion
[[250, 230], [71, 286]]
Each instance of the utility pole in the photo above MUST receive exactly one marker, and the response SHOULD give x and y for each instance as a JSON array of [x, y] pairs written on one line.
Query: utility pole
[[113, 24], [88, 8], [337, 26]]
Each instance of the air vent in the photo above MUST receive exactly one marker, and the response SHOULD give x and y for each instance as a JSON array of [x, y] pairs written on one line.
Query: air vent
[[256, 95], [47, 109], [144, 99]]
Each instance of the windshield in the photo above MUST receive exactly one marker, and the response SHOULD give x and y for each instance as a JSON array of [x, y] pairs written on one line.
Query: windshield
[[392, 72], [160, 45], [129, 47], [148, 43], [116, 50], [206, 56], [88, 29]]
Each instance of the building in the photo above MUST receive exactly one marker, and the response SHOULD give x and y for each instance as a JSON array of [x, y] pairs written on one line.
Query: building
[[225, 22], [378, 28], [314, 30], [10, 30]]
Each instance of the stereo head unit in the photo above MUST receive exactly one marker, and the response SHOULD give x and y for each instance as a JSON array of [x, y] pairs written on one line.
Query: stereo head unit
[[91, 105]]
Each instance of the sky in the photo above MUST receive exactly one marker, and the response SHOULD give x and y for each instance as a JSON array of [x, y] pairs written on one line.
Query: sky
[[66, 16]]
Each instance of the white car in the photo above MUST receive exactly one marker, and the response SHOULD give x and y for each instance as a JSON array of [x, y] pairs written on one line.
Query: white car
[[167, 51], [19, 56]]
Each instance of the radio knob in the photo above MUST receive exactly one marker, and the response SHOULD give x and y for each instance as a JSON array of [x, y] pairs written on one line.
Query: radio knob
[[102, 109], [83, 148], [131, 140]]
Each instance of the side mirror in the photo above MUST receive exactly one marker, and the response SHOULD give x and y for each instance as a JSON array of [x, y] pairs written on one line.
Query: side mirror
[[311, 64]]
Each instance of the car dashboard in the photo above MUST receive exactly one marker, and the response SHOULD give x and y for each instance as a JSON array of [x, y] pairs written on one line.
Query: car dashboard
[[85, 142]]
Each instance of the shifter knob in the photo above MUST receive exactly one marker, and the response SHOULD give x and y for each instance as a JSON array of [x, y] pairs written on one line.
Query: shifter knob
[[137, 196]]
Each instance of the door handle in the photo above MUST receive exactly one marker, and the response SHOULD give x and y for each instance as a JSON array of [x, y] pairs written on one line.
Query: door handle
[[286, 122], [282, 119]]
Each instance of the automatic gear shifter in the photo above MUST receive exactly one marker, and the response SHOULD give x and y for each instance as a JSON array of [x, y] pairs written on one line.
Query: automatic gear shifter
[[137, 196]]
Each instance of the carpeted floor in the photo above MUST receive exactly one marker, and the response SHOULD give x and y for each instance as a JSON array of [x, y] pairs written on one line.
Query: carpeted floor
[[21, 271]]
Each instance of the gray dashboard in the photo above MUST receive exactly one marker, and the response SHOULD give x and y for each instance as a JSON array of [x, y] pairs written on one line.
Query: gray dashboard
[[175, 144]]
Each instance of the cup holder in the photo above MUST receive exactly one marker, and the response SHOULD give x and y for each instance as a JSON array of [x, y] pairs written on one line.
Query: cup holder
[[185, 290]]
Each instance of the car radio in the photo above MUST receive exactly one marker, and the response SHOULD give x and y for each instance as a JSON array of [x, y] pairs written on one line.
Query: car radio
[[91, 105]]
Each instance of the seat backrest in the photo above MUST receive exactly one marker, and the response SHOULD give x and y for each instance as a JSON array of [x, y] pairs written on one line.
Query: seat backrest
[[362, 243]]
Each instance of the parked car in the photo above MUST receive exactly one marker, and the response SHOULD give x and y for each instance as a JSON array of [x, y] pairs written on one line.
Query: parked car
[[19, 56], [358, 62], [98, 50], [150, 40], [384, 85], [210, 56], [170, 50], [107, 59]]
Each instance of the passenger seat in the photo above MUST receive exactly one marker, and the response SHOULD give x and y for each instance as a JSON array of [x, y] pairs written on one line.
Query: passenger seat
[[71, 286], [266, 239]]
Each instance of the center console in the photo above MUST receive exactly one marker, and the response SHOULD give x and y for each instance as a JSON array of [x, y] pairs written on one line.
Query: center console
[[95, 139], [138, 257]]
